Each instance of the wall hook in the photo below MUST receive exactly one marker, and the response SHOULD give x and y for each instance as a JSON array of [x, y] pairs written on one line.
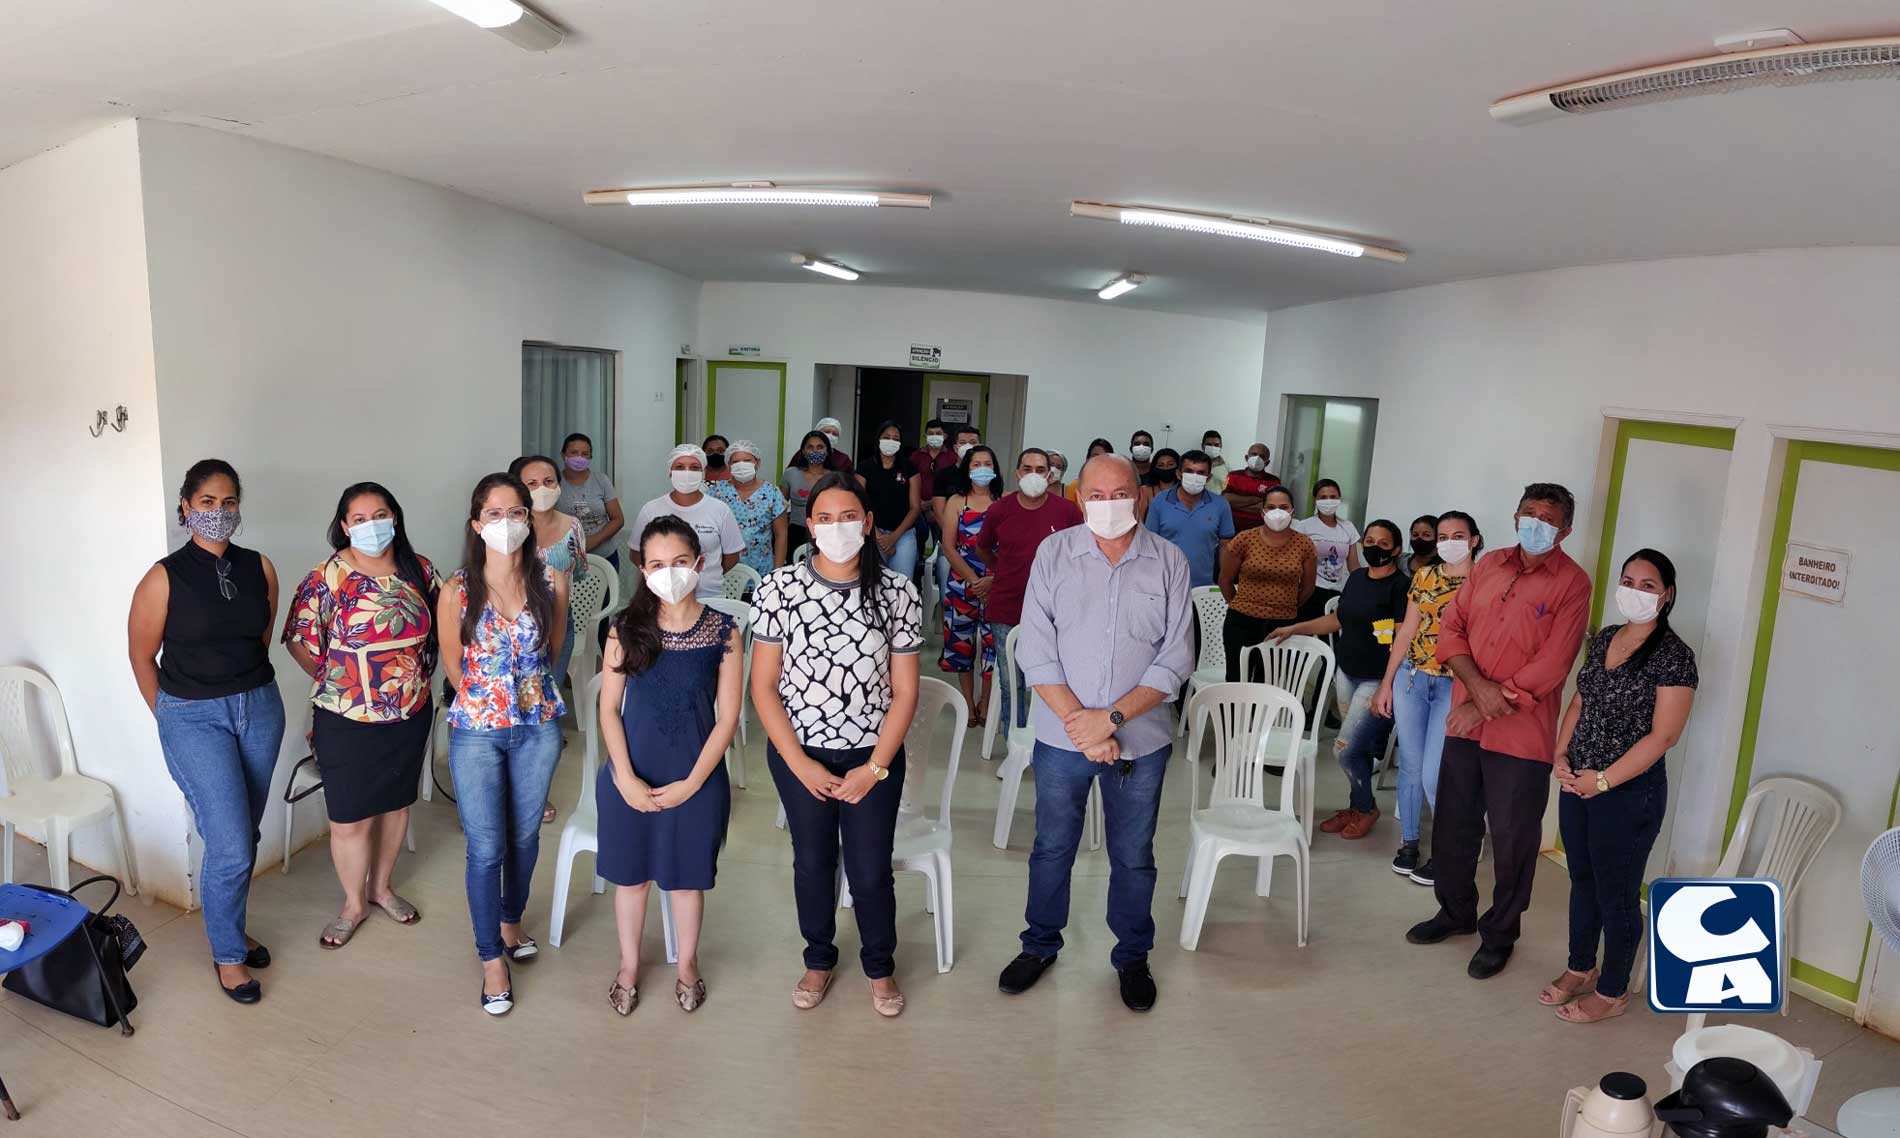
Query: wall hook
[[119, 418], [99, 425]]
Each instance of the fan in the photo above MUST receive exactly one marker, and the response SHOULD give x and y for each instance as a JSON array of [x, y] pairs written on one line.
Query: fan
[[1876, 1113]]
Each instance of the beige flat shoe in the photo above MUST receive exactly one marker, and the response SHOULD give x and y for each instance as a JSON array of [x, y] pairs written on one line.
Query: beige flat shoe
[[689, 999], [1568, 987], [623, 999], [804, 999], [890, 1007]]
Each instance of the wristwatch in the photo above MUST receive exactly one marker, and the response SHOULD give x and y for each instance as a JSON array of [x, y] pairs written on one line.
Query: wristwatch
[[881, 773], [1603, 783], [1116, 717]]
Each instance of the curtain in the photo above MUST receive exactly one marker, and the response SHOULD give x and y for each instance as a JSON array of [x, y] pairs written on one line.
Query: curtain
[[564, 390]]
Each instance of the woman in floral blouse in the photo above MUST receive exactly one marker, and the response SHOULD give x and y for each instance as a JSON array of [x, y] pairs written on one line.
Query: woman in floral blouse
[[501, 633], [758, 505], [361, 625]]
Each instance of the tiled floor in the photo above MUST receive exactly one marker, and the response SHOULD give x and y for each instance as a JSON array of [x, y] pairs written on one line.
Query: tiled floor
[[1359, 1033]]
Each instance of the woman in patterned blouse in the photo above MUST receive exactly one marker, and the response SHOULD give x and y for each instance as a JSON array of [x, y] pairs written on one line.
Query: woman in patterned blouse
[[501, 633], [1633, 698], [360, 626]]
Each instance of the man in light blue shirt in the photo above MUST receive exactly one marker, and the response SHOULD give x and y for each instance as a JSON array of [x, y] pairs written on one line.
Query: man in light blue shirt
[[1105, 645], [1197, 522]]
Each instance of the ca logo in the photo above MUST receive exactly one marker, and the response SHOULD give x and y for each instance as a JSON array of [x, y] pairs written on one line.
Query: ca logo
[[1715, 945]]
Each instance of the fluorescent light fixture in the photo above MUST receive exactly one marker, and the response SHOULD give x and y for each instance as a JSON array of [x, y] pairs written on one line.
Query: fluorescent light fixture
[[521, 26], [1124, 283], [755, 193], [1251, 229], [829, 268]]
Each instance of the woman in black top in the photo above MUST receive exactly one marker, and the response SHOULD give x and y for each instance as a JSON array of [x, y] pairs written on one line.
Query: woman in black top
[[199, 636], [1633, 697], [890, 482]]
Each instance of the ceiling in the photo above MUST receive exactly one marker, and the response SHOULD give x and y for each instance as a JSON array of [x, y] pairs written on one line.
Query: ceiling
[[1367, 116]]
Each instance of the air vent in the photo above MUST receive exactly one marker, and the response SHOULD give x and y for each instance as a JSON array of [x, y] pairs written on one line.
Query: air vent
[[1779, 66]]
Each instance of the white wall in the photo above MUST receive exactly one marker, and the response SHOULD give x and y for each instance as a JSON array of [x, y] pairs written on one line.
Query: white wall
[[1093, 369], [75, 326], [1486, 385], [317, 323]]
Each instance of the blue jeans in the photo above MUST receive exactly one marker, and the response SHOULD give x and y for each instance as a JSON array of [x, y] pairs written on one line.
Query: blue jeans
[[1015, 696], [1607, 840], [221, 753], [903, 558], [1419, 706], [1362, 738], [501, 782], [1130, 806]]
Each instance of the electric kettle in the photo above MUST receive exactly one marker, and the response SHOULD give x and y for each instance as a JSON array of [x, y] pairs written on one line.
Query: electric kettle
[[1617, 1107]]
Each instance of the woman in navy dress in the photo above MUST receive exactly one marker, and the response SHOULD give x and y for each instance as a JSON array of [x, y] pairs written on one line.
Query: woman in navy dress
[[663, 795]]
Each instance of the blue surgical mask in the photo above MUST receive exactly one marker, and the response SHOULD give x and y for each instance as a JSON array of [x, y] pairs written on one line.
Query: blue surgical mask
[[816, 457], [1536, 536], [982, 475], [373, 536]]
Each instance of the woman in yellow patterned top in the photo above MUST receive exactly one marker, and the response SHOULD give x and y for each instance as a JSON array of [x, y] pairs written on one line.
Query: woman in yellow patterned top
[[1417, 688]]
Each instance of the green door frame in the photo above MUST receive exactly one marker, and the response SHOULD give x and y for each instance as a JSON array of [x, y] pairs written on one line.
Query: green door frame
[[712, 395], [983, 409], [1681, 434], [1799, 451]]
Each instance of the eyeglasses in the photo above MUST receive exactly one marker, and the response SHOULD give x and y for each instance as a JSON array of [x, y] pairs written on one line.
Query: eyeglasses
[[517, 514], [227, 588]]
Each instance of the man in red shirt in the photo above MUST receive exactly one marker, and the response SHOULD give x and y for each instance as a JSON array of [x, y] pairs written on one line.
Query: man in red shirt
[[1509, 638], [1247, 486], [1012, 531]]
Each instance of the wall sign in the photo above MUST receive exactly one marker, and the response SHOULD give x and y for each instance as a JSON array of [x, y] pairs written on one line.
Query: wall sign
[[926, 355], [747, 351], [957, 412], [1815, 571]]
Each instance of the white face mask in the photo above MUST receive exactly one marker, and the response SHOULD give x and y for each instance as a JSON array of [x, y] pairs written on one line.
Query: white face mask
[[674, 583], [1211, 452], [1057, 473], [1327, 506], [686, 481], [889, 447], [744, 471], [1142, 452], [1194, 482], [1637, 606], [544, 498], [1110, 518], [1256, 463], [1277, 519], [1454, 552], [934, 442], [964, 448], [838, 541], [1033, 485], [505, 535]]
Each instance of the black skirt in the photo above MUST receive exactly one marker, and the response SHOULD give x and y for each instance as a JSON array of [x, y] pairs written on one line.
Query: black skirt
[[369, 768]]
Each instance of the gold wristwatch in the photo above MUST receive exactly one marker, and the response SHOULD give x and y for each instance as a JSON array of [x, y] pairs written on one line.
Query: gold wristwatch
[[881, 772], [1603, 782]]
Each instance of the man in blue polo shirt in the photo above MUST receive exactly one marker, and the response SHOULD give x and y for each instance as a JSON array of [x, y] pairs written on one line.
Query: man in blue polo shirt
[[1198, 523]]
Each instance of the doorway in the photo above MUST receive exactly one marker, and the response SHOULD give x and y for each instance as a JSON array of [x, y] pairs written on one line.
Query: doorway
[[563, 391], [958, 400], [1328, 437], [745, 399], [895, 394]]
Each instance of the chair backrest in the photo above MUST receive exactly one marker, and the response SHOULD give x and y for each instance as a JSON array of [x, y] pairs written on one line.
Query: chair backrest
[[1013, 670], [1210, 610], [592, 747], [736, 609], [1292, 665], [940, 706], [739, 580], [598, 566], [1796, 818], [802, 554], [1254, 727], [17, 746], [587, 598]]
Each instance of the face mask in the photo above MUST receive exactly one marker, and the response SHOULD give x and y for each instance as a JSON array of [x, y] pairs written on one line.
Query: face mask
[[1165, 474], [816, 457], [1376, 556], [982, 475], [1142, 452], [1454, 552], [1256, 463], [1277, 519], [839, 541], [1033, 485], [744, 471], [1194, 482], [889, 447], [213, 525], [504, 535], [1423, 546], [1110, 519], [686, 481], [544, 497], [1637, 606], [1058, 473], [1327, 506], [833, 437], [373, 536], [1536, 536], [934, 442], [578, 462], [964, 448], [674, 583], [1212, 452], [715, 462]]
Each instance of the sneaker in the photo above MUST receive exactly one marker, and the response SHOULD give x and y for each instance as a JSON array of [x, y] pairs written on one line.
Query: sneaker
[[1339, 821], [1021, 974], [1138, 987], [1360, 824], [1423, 875], [1405, 862]]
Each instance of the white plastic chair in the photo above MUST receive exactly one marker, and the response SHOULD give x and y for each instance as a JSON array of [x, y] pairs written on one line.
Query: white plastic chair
[[1291, 666], [62, 803], [738, 581], [802, 554], [742, 612], [1022, 748], [1210, 612], [306, 782], [598, 566], [588, 597], [993, 706], [1255, 727]]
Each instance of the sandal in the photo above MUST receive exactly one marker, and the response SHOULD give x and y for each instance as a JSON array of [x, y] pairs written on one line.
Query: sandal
[[1562, 990], [399, 910], [805, 999], [1575, 1013], [547, 814], [689, 999], [337, 933], [623, 998]]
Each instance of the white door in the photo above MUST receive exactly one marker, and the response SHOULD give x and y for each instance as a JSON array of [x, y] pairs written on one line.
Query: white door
[[1826, 692], [746, 400], [959, 400]]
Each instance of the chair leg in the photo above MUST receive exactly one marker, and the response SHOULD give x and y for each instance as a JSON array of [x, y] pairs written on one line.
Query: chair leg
[[1263, 877], [563, 872], [600, 885], [125, 851], [946, 908], [1201, 866], [58, 854], [1093, 819], [780, 823], [1304, 880], [930, 892], [290, 822], [1012, 776], [666, 927], [735, 764]]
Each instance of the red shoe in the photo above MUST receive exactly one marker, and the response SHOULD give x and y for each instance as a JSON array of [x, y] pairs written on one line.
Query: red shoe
[[1339, 821], [1361, 824]]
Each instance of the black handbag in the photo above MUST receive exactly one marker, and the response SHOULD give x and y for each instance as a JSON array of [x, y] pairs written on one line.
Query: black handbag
[[85, 975]]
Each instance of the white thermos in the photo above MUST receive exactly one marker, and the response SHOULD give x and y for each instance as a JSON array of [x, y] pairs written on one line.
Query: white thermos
[[1617, 1107]]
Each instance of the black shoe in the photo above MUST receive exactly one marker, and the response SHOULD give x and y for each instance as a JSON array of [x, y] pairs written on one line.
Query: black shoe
[[1138, 987], [1022, 973], [257, 957], [1488, 962], [248, 992], [522, 952], [1435, 929], [1406, 860], [1423, 874]]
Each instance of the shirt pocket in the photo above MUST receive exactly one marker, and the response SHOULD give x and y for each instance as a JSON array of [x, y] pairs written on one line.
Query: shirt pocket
[[1145, 616]]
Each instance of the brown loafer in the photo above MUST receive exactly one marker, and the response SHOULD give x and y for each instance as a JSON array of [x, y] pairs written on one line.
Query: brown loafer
[[1339, 821], [1360, 824]]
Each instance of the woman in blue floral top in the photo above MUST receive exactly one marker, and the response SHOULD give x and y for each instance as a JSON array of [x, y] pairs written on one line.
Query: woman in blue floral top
[[759, 506], [505, 732]]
